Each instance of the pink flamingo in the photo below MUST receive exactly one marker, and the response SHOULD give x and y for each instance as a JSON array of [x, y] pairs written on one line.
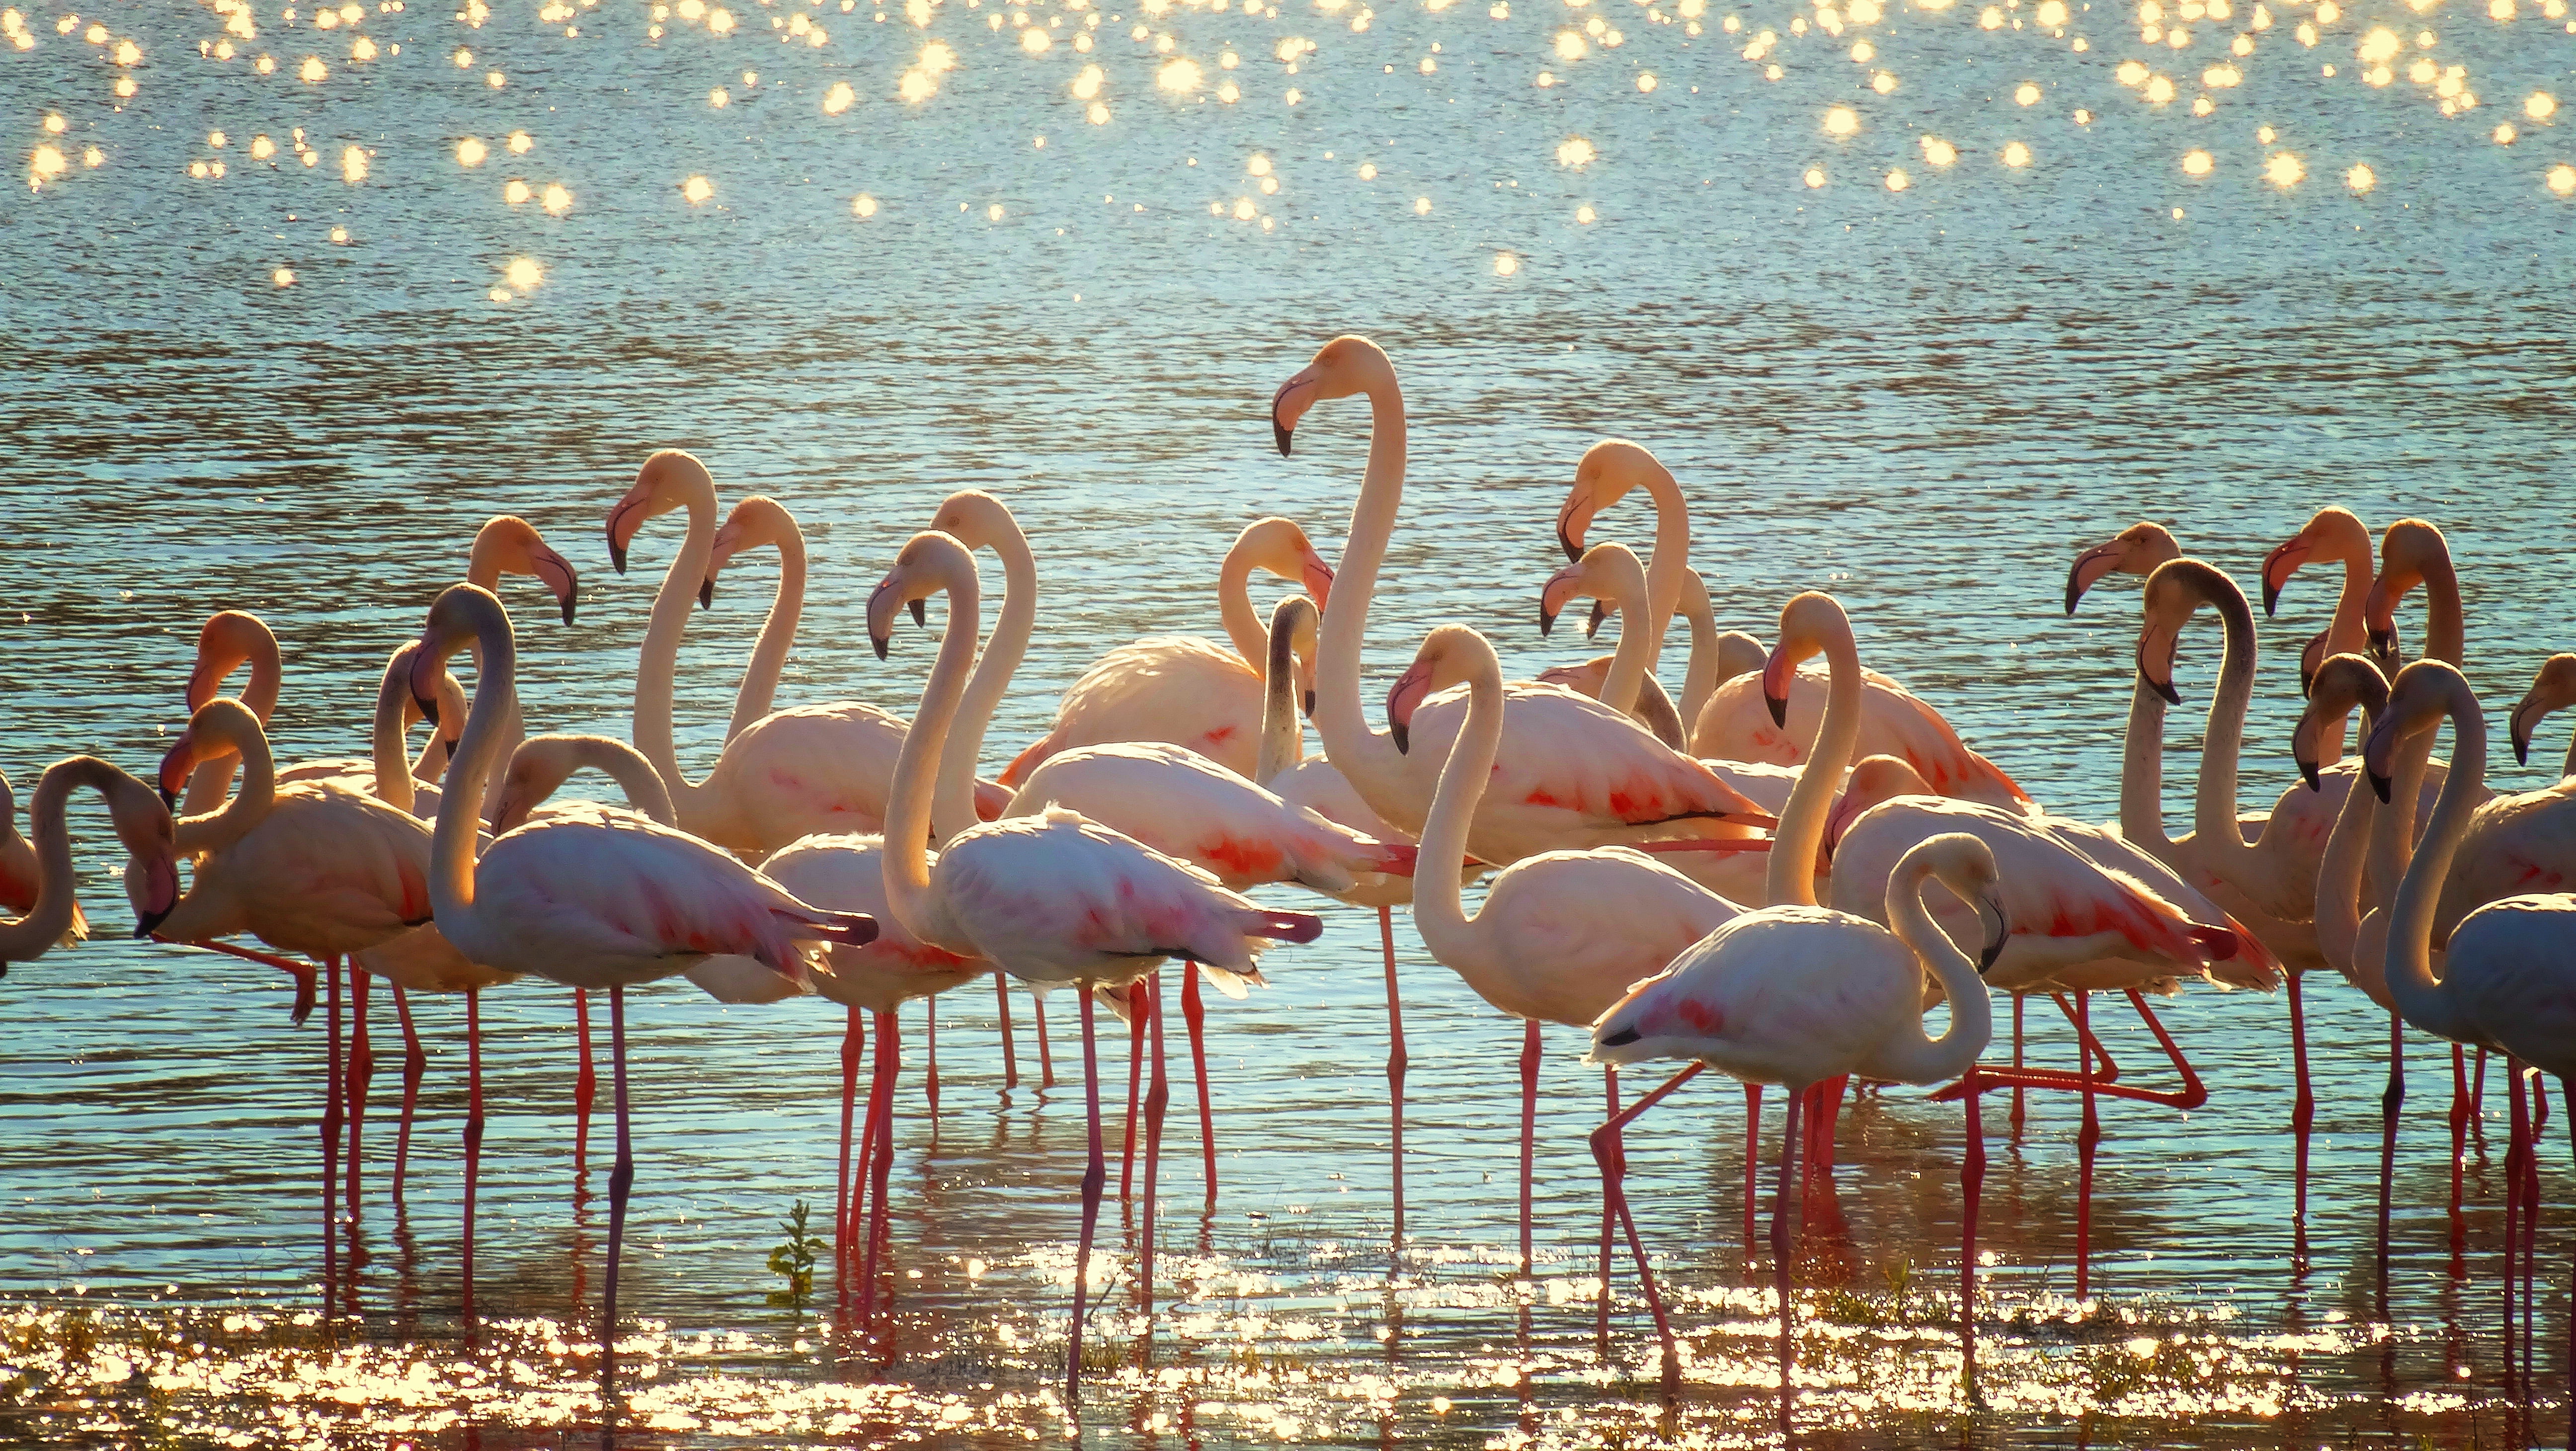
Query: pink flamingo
[[22, 874], [1052, 898], [51, 917], [1560, 936], [1181, 689], [2136, 550], [604, 902], [2553, 688]]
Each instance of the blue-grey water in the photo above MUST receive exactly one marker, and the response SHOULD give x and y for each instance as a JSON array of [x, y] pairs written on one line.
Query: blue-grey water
[[296, 388]]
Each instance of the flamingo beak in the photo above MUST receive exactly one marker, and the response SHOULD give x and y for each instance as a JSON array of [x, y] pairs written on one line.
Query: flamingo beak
[[155, 890], [2279, 565], [2311, 659], [425, 670], [557, 574], [1601, 610], [1573, 521], [1990, 911], [2303, 748], [2527, 714], [1290, 404], [707, 593], [175, 766], [2156, 651], [1319, 578], [1552, 597], [2379, 617], [881, 607], [1310, 705], [1777, 672], [1410, 688], [623, 521], [2089, 568], [2375, 754]]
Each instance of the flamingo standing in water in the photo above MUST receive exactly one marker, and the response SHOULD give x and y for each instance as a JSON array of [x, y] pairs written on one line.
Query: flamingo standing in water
[[1180, 689], [2508, 977], [1560, 936], [1052, 898], [604, 902]]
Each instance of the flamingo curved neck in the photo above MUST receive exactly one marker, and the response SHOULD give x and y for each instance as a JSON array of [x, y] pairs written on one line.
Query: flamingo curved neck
[[2346, 633], [2216, 831], [2420, 998], [1666, 562], [208, 783], [385, 745], [907, 822], [2354, 839], [659, 662], [51, 916], [1441, 862], [1641, 640], [1368, 760], [220, 829], [2445, 631], [759, 686], [1699, 677], [642, 786], [1916, 1057], [478, 757], [2142, 775], [1243, 628], [953, 795], [1790, 878]]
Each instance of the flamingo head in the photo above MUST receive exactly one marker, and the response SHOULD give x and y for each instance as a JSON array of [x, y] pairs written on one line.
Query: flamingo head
[[151, 841], [1808, 623], [1965, 865], [1279, 547], [668, 480], [2409, 553], [1605, 572], [755, 523], [2342, 683], [460, 614], [2175, 592], [2418, 698], [229, 640], [2137, 549], [1449, 655], [1604, 475], [2332, 533], [2553, 688], [215, 731], [1348, 364], [1873, 780], [508, 544], [2312, 657], [931, 562]]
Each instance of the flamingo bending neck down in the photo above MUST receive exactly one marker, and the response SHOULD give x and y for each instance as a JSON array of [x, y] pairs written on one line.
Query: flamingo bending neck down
[[1611, 573], [1180, 689], [605, 902], [2553, 688], [22, 874], [51, 917], [2332, 535], [1054, 898], [2509, 977]]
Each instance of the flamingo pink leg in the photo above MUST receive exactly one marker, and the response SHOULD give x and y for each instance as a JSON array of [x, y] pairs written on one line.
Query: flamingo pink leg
[[1609, 1151], [1002, 1014], [1158, 1095], [1752, 1160], [1046, 1055], [2087, 1139], [1780, 1254], [1194, 1017], [2531, 1228], [361, 1072], [585, 1082], [2459, 1145], [2391, 1099], [2303, 1109], [853, 1037], [1135, 1086], [2514, 1149], [1095, 1177], [1529, 1132], [474, 1131], [2017, 1001], [302, 972], [621, 1182], [415, 1064], [2567, 1098], [880, 1105], [881, 1158], [1972, 1183], [331, 1146], [1396, 1063], [1609, 1213], [930, 1053]]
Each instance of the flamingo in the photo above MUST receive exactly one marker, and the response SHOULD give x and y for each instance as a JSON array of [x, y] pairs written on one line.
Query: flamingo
[[1716, 657], [2136, 550], [1181, 689], [1052, 898], [1572, 772], [1560, 935], [22, 874], [1611, 572], [2508, 978], [1311, 782], [2553, 687], [784, 774], [1797, 995], [51, 916], [2332, 535], [604, 902]]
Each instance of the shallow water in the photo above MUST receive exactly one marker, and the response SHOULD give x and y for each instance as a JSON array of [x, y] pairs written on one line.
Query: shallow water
[[1923, 399]]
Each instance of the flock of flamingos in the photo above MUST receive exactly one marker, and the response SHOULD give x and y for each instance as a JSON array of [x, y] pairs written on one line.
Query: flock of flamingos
[[1776, 875]]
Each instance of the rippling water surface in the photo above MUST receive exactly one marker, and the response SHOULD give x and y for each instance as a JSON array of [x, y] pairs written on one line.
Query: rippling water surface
[[1916, 301]]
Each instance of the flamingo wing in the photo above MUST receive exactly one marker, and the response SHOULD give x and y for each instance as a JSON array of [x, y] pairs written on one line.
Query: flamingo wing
[[1786, 995], [1178, 689], [1184, 805]]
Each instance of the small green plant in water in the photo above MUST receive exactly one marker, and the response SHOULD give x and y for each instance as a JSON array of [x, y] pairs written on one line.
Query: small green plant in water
[[794, 1260]]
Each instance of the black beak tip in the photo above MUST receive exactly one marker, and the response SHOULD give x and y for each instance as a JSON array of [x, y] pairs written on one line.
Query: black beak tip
[[880, 642], [1310, 704], [921, 614], [1565, 541], [2382, 641], [2164, 689], [706, 594], [2307, 683], [567, 612], [2379, 786], [617, 557], [1546, 622], [1986, 959], [1779, 710], [2074, 597], [428, 708], [2308, 773], [2521, 751], [1280, 436], [2271, 599], [145, 922], [169, 799], [1403, 735]]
